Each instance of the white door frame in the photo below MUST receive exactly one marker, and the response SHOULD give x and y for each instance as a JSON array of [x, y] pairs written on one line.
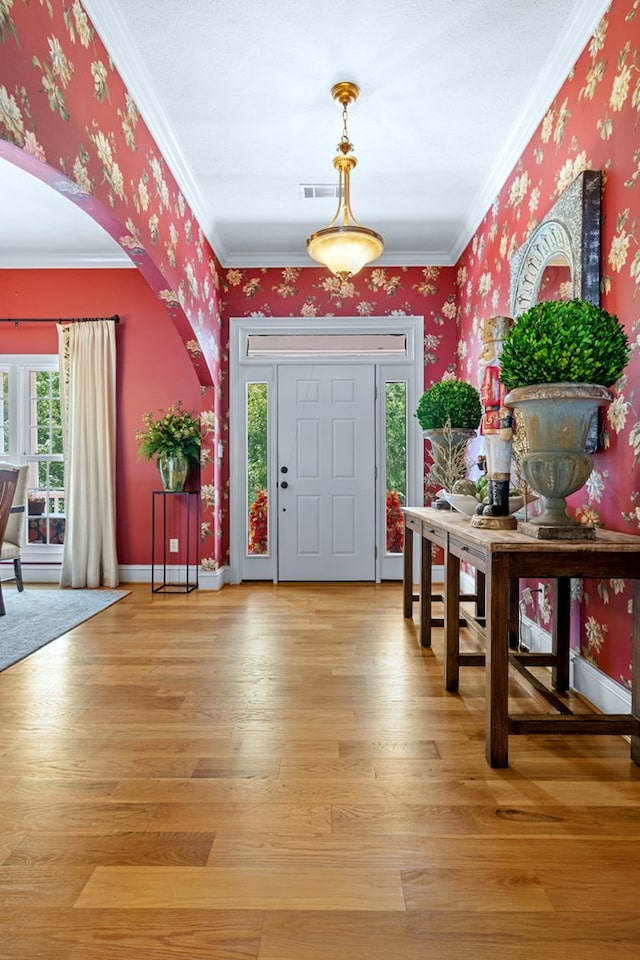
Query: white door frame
[[243, 369]]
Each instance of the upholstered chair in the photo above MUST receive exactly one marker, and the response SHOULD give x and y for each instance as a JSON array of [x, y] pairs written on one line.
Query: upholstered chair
[[8, 481], [13, 535]]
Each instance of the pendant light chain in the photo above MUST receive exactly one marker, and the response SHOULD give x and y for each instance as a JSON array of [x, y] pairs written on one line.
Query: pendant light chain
[[345, 144]]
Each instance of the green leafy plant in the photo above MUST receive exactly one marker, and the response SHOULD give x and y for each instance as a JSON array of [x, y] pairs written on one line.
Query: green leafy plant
[[449, 401], [564, 341], [175, 431]]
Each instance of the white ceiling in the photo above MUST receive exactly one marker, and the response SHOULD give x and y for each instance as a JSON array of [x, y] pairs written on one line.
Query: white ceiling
[[237, 95]]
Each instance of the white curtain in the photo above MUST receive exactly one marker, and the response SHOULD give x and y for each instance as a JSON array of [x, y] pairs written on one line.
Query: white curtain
[[88, 392]]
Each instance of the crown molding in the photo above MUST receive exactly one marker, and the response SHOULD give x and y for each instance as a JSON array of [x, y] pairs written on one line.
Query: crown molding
[[136, 78], [565, 54], [398, 259], [50, 260]]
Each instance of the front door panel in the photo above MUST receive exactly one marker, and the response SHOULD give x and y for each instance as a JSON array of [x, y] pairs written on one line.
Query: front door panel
[[326, 472]]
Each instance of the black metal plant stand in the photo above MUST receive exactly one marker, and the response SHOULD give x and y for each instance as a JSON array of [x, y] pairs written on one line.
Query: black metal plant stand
[[177, 516]]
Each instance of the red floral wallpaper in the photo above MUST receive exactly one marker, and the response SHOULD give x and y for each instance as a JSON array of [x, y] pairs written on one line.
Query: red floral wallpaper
[[67, 118], [376, 291], [593, 123]]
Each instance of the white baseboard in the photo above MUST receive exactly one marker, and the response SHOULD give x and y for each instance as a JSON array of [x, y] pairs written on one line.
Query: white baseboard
[[606, 694], [533, 636], [41, 572], [207, 579], [131, 573], [602, 691], [214, 579], [135, 573]]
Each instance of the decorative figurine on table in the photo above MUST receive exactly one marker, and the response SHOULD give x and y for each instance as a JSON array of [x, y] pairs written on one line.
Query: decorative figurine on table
[[496, 427]]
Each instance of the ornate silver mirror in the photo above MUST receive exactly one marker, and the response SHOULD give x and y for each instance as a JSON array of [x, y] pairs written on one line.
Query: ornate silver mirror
[[562, 255], [561, 258]]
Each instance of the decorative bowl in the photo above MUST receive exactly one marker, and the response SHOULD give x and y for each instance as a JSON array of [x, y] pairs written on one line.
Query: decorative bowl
[[462, 502], [466, 504]]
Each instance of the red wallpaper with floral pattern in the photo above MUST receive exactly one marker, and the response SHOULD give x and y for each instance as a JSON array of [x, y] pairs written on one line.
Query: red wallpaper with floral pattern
[[376, 291], [593, 123], [67, 118]]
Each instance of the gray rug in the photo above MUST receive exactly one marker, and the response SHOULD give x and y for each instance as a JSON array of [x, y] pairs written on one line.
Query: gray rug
[[36, 617]]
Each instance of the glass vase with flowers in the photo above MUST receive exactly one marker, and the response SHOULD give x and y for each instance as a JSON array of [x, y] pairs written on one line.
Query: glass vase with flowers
[[174, 439]]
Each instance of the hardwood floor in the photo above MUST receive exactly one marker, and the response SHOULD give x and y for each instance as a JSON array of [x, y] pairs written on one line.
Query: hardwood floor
[[276, 772]]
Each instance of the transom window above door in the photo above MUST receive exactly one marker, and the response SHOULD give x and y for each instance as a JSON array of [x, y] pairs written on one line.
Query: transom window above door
[[380, 345]]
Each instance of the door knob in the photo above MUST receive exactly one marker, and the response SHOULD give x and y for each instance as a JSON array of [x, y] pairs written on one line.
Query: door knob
[[284, 484]]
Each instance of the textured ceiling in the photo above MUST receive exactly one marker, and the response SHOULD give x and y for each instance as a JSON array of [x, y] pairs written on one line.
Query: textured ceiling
[[237, 96]]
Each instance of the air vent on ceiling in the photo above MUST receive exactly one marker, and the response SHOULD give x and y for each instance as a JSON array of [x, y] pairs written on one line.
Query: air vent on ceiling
[[319, 191]]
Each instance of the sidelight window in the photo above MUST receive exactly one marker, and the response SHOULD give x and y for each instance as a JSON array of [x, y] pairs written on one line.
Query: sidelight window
[[395, 463], [257, 460]]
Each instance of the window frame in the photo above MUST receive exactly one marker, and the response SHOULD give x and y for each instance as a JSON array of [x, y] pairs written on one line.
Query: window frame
[[19, 367]]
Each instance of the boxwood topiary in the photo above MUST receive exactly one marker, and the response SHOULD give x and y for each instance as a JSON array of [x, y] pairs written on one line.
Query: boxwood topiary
[[455, 401], [564, 341]]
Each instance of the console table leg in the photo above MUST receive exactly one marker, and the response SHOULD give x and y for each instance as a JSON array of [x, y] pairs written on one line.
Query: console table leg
[[425, 592], [635, 669], [514, 614], [497, 664], [451, 622], [481, 599], [407, 551], [560, 632]]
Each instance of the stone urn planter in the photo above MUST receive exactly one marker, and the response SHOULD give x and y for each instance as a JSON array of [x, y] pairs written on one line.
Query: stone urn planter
[[558, 361], [556, 419]]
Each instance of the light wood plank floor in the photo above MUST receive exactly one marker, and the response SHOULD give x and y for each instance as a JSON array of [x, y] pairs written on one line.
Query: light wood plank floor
[[276, 772]]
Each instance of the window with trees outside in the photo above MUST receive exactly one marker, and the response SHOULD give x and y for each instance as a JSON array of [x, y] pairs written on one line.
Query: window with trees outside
[[31, 433], [395, 462], [257, 469]]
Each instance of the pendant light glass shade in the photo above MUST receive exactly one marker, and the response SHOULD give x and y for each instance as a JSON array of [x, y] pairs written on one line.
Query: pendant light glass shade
[[345, 250], [345, 246]]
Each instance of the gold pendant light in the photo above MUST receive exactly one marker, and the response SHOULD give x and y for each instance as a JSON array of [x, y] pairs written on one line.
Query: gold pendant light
[[345, 246]]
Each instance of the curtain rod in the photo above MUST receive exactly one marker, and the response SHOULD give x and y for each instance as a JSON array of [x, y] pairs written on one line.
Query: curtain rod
[[115, 318]]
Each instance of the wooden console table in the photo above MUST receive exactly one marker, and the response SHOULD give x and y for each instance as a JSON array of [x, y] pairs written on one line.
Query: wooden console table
[[503, 557]]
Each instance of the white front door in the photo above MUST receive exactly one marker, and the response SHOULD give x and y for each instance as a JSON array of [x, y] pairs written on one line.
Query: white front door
[[326, 472]]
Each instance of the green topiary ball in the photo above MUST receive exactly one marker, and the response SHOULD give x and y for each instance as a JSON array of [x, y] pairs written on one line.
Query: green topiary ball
[[455, 401], [564, 341]]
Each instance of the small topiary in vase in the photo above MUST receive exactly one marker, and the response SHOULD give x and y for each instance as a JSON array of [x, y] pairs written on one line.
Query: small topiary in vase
[[449, 412], [454, 401]]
